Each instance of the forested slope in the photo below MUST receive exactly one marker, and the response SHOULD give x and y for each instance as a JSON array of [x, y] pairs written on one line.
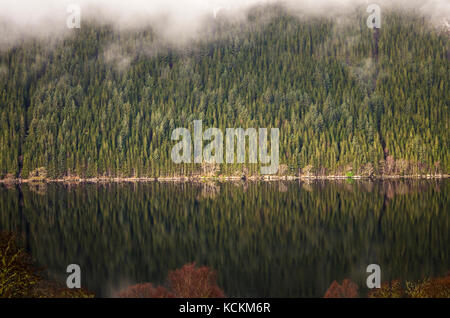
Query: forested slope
[[104, 103]]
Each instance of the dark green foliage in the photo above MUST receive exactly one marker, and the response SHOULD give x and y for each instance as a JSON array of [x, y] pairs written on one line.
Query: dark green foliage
[[104, 103]]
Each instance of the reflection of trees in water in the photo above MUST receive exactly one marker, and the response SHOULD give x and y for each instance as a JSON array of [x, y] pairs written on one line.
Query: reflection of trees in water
[[209, 190], [387, 187], [282, 187], [306, 185], [261, 241], [38, 187], [393, 188]]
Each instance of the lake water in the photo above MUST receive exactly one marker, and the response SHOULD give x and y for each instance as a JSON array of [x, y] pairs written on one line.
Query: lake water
[[264, 239]]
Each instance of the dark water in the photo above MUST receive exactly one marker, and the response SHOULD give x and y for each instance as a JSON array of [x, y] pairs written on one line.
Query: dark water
[[280, 239]]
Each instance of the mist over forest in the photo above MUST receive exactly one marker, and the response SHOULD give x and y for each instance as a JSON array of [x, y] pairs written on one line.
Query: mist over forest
[[103, 99]]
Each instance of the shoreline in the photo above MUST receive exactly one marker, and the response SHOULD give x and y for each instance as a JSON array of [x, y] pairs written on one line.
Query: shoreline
[[218, 179]]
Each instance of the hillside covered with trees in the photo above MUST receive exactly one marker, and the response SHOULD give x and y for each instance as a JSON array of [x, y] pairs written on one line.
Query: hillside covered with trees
[[103, 102]]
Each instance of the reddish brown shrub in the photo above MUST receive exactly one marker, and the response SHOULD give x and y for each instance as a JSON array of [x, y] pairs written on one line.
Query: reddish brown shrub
[[434, 288], [348, 289], [194, 282], [145, 291], [187, 282]]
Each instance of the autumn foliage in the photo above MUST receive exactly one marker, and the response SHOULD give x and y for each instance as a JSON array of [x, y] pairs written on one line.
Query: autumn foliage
[[190, 281], [19, 278], [17, 275], [428, 288], [187, 282], [347, 289], [391, 289], [146, 290]]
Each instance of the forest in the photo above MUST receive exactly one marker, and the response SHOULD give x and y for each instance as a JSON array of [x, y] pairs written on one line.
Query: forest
[[347, 100]]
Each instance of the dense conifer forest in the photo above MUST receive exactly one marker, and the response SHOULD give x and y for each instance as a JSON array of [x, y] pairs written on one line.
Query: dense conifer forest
[[347, 99]]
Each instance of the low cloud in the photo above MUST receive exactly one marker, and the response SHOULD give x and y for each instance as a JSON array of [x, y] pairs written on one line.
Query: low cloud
[[175, 19]]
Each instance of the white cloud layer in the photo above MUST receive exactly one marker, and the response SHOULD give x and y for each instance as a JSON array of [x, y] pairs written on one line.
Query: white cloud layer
[[21, 18]]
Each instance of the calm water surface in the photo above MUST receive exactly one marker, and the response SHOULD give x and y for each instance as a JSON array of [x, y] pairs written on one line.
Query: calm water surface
[[277, 239]]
